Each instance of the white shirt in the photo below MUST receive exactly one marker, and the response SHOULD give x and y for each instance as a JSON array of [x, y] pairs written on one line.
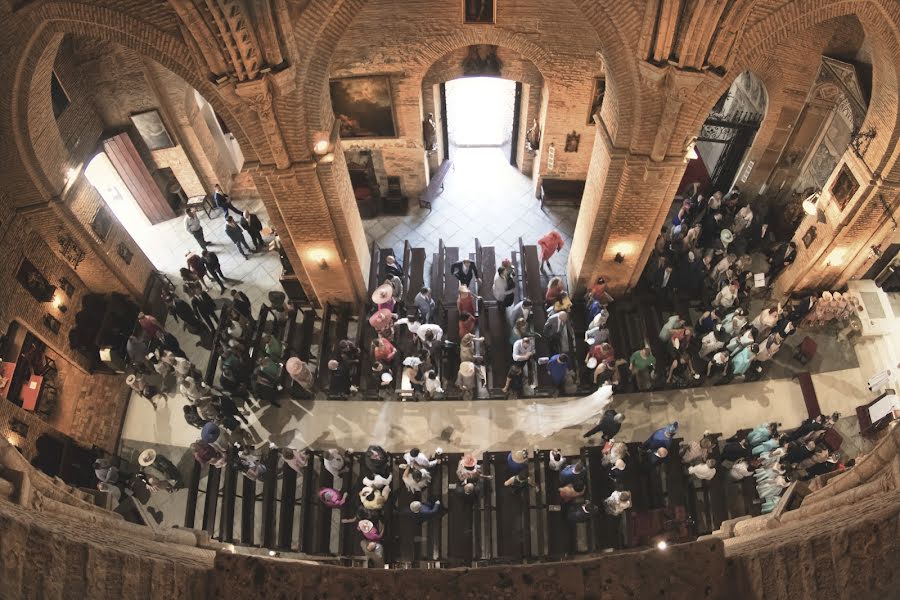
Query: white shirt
[[557, 465], [423, 329], [433, 386], [520, 353], [377, 482], [702, 471], [499, 287], [192, 224], [740, 470], [413, 326], [420, 460], [600, 319]]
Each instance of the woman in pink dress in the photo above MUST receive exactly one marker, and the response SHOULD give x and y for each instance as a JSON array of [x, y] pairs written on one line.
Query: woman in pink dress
[[550, 244]]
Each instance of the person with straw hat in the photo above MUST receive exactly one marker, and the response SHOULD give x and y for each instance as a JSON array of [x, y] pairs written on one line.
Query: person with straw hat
[[383, 296], [465, 379], [301, 373]]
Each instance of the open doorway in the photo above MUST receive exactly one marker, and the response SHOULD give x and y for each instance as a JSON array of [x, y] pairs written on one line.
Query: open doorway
[[481, 113]]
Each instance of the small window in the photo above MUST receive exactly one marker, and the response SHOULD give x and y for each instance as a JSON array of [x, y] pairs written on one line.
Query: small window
[[58, 95]]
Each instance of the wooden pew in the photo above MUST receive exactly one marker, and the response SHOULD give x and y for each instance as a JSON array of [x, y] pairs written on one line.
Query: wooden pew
[[352, 484], [211, 502], [193, 487], [269, 499], [309, 534], [606, 530], [229, 495], [326, 337], [287, 506], [405, 533], [415, 271], [460, 519], [437, 274], [560, 531], [510, 509], [451, 285], [248, 511], [535, 291]]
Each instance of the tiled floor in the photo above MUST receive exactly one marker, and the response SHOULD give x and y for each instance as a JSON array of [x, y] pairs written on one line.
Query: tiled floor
[[485, 198]]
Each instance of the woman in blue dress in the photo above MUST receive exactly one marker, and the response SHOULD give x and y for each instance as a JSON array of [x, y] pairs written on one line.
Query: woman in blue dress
[[741, 361]]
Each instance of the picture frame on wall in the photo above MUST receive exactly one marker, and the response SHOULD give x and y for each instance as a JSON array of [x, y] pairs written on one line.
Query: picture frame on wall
[[153, 131], [810, 236], [34, 281], [102, 223], [844, 187], [52, 323], [364, 107], [479, 12], [596, 98]]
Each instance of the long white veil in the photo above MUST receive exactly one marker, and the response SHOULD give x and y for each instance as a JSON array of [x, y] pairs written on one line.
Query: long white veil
[[547, 419]]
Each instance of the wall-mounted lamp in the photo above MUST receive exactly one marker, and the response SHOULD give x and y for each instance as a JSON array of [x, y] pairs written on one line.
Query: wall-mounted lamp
[[321, 260], [692, 152], [619, 258], [811, 207], [836, 258], [58, 303]]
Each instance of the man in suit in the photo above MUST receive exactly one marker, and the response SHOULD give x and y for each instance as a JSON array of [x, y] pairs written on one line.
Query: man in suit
[[465, 271], [784, 256], [233, 231], [252, 225], [392, 267], [662, 281]]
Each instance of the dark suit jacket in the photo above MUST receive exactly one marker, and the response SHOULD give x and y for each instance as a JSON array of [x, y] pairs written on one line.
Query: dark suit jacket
[[252, 224], [456, 269]]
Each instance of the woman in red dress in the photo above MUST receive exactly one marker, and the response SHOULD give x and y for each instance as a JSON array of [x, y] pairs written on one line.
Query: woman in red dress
[[550, 244]]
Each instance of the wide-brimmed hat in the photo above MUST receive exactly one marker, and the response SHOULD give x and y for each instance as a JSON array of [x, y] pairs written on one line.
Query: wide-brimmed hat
[[469, 461], [827, 296], [386, 378], [147, 457], [412, 361], [592, 363], [727, 236], [383, 293], [466, 369], [130, 379]]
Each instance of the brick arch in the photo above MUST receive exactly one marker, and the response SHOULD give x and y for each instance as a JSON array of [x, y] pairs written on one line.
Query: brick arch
[[51, 21], [880, 22], [621, 104], [442, 70]]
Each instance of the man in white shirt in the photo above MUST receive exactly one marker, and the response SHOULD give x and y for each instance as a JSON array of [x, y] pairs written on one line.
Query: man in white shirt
[[557, 460], [704, 471], [195, 228], [415, 457], [429, 333], [523, 350], [554, 329]]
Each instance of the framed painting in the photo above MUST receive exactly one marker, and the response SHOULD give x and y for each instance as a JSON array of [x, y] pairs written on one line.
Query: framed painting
[[152, 129], [479, 12], [35, 282], [364, 107], [596, 98], [810, 236], [844, 187], [102, 223]]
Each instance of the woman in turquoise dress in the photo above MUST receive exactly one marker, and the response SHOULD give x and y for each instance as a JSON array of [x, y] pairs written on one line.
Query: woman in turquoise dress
[[741, 361]]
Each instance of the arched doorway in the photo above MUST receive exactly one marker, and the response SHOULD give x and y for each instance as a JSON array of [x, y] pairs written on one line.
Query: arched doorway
[[728, 134]]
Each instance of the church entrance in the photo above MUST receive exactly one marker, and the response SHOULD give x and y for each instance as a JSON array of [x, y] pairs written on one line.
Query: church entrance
[[481, 112]]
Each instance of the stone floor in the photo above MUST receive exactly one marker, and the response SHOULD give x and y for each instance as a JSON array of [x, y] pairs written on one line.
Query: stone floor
[[483, 197]]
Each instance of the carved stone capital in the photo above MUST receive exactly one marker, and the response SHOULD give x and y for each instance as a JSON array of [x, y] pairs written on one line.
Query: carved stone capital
[[258, 95]]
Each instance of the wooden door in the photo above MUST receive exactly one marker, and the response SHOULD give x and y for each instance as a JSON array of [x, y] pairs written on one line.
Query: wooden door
[[131, 168]]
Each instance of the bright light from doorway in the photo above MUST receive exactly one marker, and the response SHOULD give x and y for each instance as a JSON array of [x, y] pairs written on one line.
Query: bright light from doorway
[[480, 111]]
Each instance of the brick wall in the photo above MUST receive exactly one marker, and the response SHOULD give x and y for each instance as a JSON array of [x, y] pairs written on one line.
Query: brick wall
[[562, 47]]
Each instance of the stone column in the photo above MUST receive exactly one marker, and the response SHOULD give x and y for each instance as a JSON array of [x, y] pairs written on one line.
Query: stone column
[[315, 220], [626, 202]]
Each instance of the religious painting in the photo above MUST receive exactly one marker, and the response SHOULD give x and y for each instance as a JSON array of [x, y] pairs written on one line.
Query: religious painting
[[35, 282], [102, 223], [572, 141], [482, 61], [152, 130], [479, 12], [364, 107], [597, 98], [810, 236], [124, 253], [844, 187], [51, 323], [66, 286]]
